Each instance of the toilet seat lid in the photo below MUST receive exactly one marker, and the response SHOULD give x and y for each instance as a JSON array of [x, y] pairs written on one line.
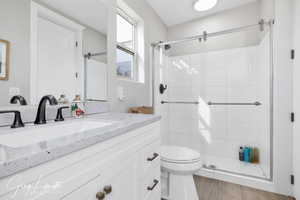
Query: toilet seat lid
[[178, 154]]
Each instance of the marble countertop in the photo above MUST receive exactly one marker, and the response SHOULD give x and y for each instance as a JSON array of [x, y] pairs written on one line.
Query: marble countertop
[[18, 158]]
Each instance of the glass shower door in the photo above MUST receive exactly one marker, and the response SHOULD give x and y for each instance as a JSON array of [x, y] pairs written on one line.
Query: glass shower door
[[218, 101]]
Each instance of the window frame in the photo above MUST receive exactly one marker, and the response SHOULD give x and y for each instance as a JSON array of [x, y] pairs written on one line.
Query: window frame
[[127, 50]]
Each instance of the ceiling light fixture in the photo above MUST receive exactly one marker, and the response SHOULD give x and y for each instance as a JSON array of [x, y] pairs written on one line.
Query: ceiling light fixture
[[204, 5]]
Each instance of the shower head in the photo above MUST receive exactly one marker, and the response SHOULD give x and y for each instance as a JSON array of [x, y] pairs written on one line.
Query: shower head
[[167, 47]]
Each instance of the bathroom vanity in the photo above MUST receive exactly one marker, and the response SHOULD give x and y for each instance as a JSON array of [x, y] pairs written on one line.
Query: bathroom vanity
[[59, 55], [108, 156]]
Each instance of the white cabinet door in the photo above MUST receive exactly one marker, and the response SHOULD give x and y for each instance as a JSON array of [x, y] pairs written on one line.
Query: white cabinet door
[[86, 192], [120, 177], [123, 184]]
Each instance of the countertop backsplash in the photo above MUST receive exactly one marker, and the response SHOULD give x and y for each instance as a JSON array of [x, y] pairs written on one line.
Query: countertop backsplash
[[28, 113]]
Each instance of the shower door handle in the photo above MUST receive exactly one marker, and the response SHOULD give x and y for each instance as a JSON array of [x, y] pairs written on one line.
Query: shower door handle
[[180, 102], [257, 103]]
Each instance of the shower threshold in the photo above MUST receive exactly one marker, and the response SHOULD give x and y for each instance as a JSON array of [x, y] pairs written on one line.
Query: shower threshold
[[234, 166]]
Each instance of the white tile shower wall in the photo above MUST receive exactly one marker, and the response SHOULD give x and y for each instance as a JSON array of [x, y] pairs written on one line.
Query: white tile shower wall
[[233, 75]]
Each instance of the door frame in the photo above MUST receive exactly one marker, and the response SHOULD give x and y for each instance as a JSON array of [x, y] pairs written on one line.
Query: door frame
[[39, 11], [296, 98]]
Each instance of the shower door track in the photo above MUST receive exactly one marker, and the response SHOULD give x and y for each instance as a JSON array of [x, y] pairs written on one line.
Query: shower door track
[[261, 25], [234, 173]]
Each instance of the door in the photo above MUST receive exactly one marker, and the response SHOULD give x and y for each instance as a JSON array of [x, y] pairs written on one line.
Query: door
[[296, 138], [57, 52]]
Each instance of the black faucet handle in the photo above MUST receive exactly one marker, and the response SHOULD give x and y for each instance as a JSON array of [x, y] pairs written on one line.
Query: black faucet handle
[[18, 123], [59, 115], [21, 99]]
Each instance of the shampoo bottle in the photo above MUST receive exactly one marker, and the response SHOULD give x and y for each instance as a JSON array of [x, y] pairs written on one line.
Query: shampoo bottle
[[251, 155], [241, 154], [256, 155], [247, 154]]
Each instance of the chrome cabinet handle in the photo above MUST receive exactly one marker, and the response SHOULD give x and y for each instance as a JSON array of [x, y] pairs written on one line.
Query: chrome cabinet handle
[[155, 155], [153, 186], [108, 189], [100, 195]]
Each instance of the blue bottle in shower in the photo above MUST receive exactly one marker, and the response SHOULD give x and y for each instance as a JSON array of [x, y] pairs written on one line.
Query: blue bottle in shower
[[247, 154]]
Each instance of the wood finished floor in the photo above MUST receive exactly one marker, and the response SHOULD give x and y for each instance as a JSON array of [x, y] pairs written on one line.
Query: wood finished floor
[[209, 189]]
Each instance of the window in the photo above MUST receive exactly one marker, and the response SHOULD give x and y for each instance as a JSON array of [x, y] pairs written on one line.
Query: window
[[126, 47]]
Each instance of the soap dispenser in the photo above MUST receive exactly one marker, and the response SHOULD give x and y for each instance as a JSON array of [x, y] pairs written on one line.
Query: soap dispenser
[[77, 107]]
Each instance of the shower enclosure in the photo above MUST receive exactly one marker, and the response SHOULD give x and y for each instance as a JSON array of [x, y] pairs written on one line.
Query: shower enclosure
[[218, 97]]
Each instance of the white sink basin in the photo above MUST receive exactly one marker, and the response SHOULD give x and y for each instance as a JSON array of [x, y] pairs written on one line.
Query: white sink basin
[[35, 134]]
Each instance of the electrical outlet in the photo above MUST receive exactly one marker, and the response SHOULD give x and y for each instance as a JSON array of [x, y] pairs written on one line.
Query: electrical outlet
[[14, 91]]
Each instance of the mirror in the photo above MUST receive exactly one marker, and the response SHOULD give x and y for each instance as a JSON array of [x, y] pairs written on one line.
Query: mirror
[[58, 47], [4, 59]]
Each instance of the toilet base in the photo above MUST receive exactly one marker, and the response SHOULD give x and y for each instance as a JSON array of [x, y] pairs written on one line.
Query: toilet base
[[182, 187]]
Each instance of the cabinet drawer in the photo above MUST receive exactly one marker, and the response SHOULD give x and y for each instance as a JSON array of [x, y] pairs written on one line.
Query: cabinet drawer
[[149, 158], [54, 188]]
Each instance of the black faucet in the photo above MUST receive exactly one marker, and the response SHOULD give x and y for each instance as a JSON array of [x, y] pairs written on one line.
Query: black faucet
[[17, 121], [21, 99], [41, 113], [59, 115]]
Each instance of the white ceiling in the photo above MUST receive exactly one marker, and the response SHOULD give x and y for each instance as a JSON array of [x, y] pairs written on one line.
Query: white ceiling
[[91, 13], [174, 12]]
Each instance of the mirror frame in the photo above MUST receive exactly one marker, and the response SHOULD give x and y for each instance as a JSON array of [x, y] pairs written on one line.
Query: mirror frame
[[7, 43]]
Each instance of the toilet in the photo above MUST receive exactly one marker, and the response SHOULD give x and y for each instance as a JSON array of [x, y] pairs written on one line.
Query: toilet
[[178, 164]]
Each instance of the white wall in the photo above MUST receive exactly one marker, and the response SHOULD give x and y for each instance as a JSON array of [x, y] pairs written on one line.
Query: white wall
[[233, 18], [283, 96], [15, 27], [267, 9]]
